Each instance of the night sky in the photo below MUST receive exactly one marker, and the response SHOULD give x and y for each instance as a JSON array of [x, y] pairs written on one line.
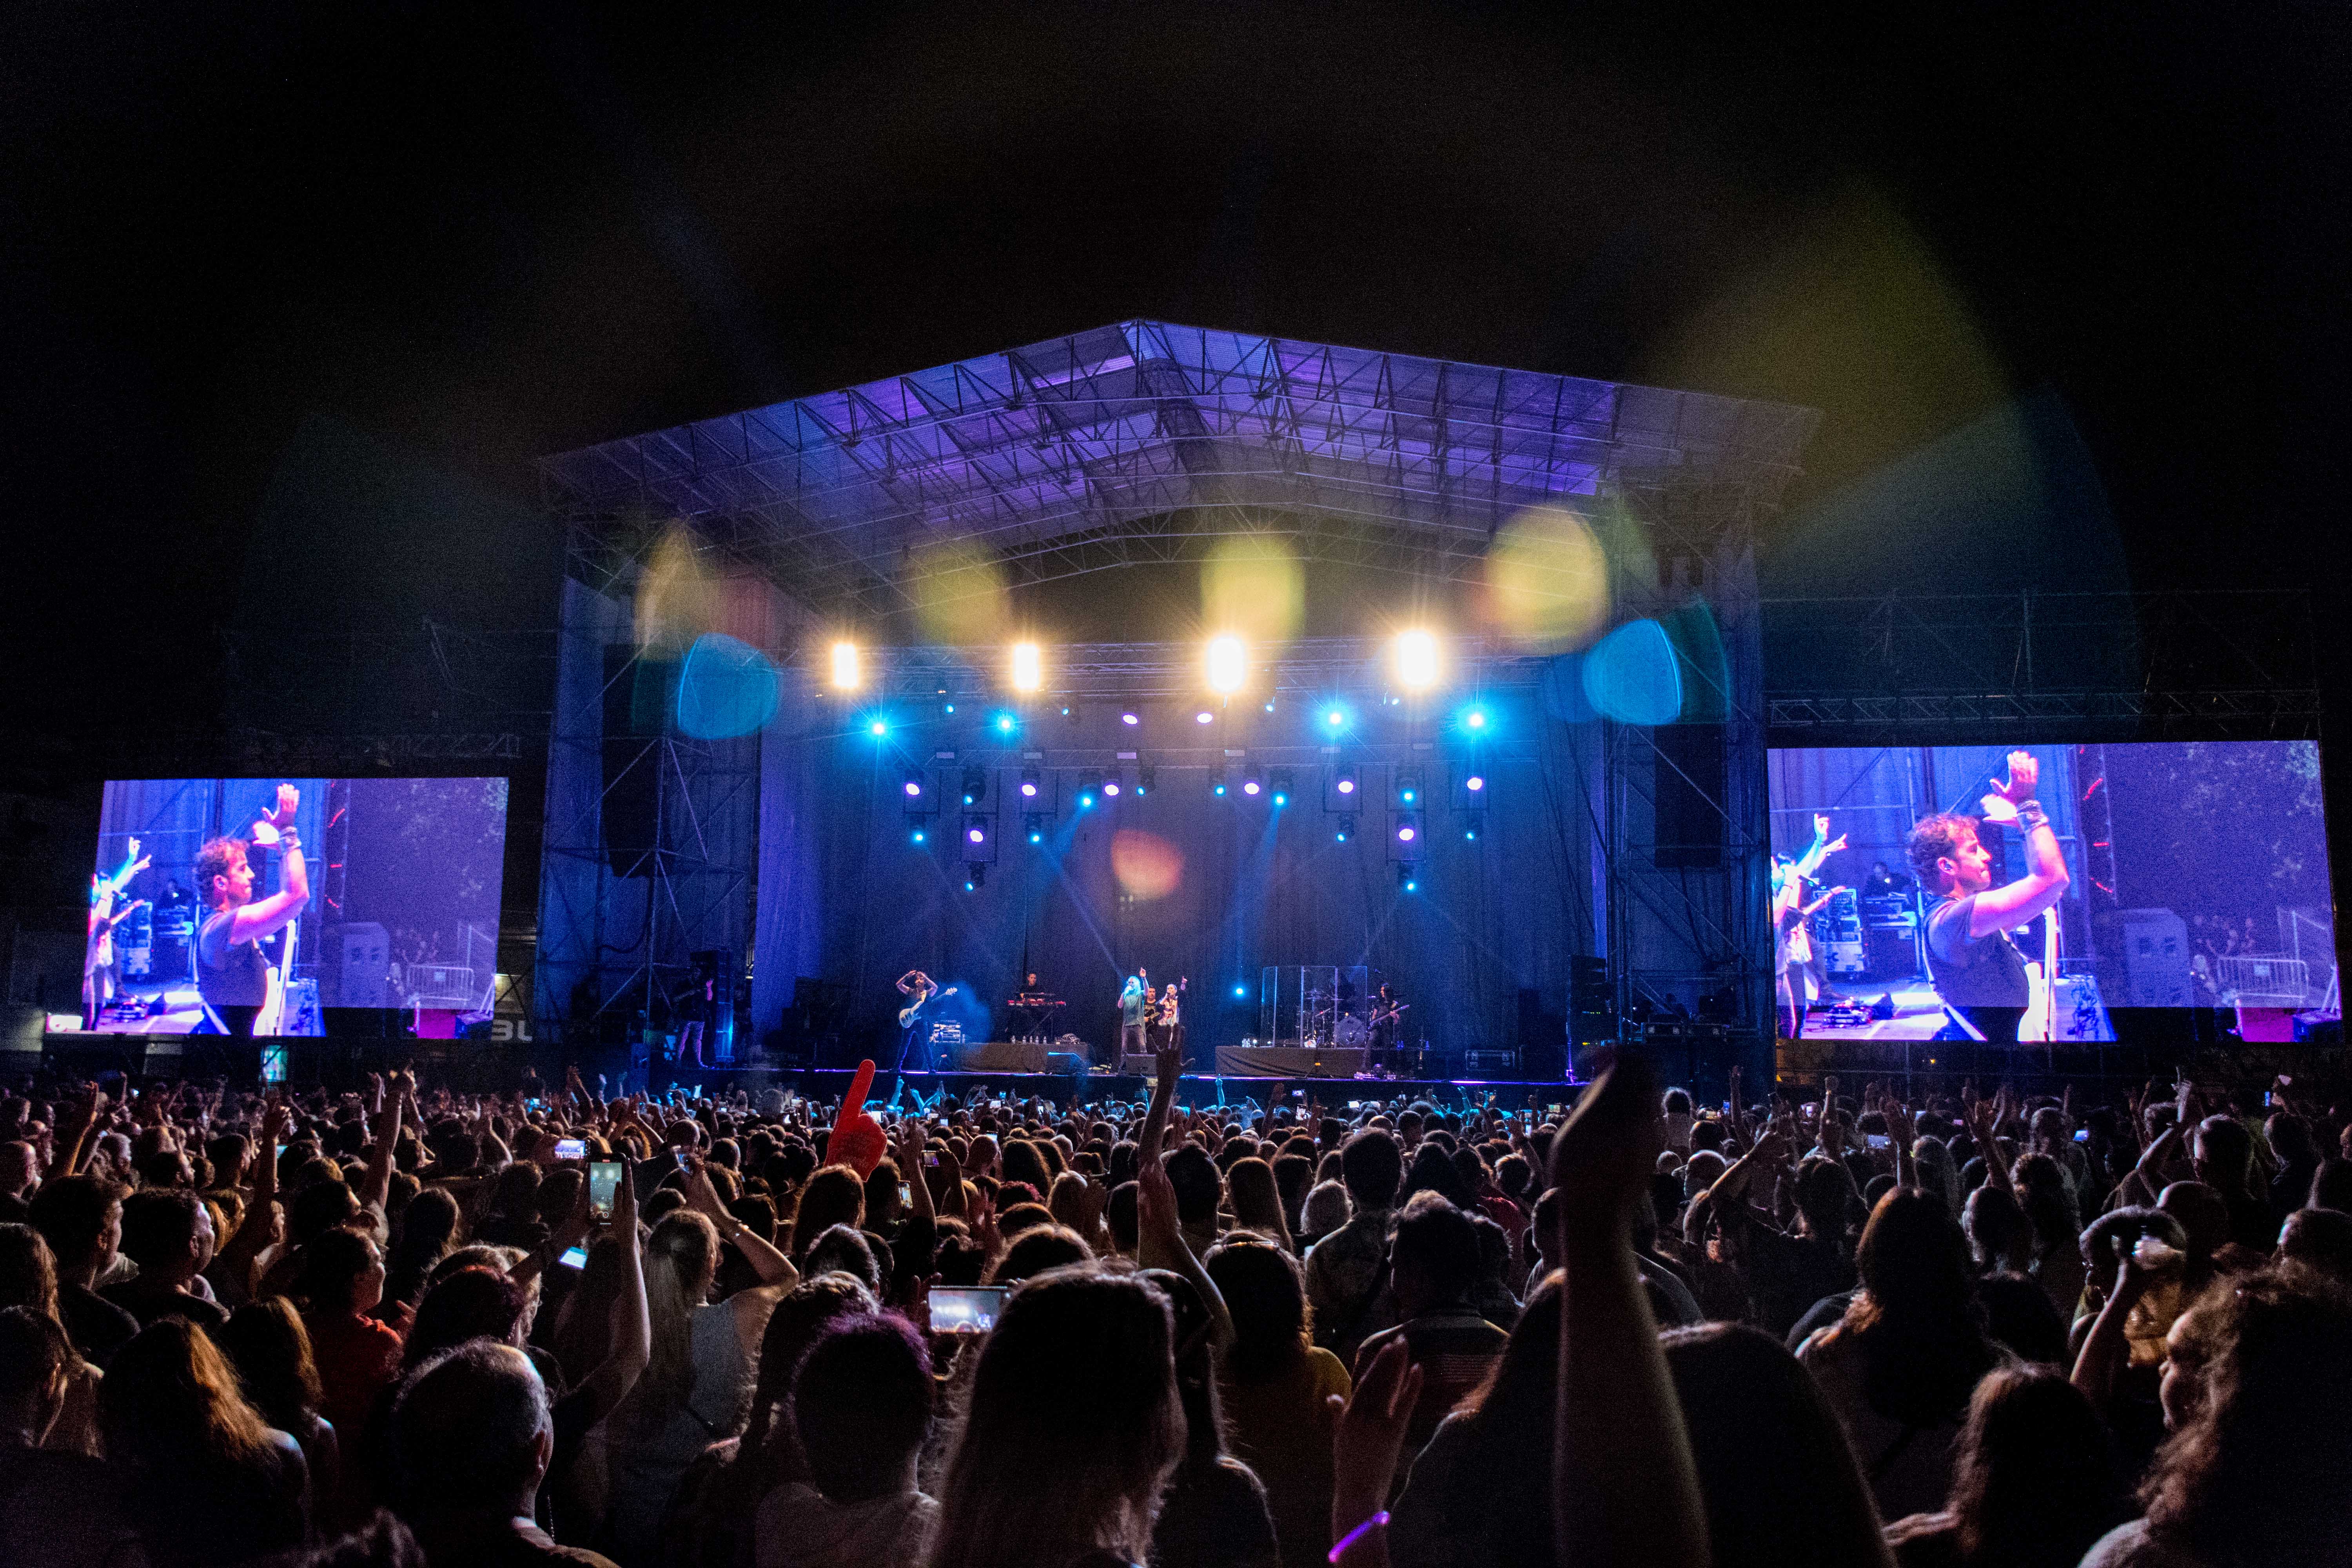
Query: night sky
[[488, 231]]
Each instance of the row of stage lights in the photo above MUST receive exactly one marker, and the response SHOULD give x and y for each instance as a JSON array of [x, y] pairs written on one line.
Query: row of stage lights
[[1414, 660]]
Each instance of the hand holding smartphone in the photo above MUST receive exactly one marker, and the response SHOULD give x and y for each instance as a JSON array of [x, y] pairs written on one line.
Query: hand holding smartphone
[[966, 1308], [604, 1177]]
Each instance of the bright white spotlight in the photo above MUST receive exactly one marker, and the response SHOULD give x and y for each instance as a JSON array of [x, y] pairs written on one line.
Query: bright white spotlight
[[1416, 660], [1227, 665], [846, 674], [1204, 717], [1028, 667], [1475, 782]]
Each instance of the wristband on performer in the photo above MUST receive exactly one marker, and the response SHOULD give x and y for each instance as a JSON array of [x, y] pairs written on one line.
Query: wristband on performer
[[2030, 815], [288, 841]]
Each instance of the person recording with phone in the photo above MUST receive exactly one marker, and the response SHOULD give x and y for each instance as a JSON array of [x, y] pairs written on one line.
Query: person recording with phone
[[232, 976], [1976, 968]]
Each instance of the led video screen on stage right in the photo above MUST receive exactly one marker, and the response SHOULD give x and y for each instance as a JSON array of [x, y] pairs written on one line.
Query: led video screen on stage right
[[2176, 875]]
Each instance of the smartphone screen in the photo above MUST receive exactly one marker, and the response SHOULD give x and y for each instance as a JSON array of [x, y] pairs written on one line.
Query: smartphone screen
[[906, 1195], [278, 1155], [1355, 1105], [966, 1308], [677, 1155], [571, 1148], [603, 1180], [574, 1257], [2082, 1135], [1877, 1140]]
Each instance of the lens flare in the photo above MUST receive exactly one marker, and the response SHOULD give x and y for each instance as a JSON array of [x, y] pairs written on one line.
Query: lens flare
[[1257, 586], [1148, 867], [1547, 580]]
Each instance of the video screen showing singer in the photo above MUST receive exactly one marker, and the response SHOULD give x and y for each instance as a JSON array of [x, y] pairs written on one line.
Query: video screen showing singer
[[1976, 968]]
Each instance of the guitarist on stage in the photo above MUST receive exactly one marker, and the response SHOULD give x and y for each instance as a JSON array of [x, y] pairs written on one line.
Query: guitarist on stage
[[231, 974], [914, 1029], [99, 981], [1976, 968]]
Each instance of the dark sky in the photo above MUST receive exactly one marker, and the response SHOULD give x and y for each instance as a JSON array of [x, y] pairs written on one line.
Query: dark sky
[[491, 230]]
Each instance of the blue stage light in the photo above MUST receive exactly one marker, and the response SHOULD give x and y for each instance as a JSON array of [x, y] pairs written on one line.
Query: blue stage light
[[950, 707], [920, 837], [1469, 833], [1035, 836], [1335, 718], [878, 727], [1219, 788], [1086, 800], [1005, 723], [1241, 990]]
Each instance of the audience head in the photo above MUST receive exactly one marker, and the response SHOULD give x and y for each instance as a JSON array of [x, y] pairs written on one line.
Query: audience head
[[80, 1218], [1373, 1166], [1434, 1256], [1779, 1482], [472, 1431], [2032, 1481], [1071, 1426], [34, 1357], [862, 1407], [1265, 1294]]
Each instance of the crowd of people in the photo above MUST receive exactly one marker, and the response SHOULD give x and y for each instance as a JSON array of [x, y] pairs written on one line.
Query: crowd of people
[[403, 1326]]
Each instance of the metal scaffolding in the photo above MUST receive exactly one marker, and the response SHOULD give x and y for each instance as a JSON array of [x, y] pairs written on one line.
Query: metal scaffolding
[[1144, 442]]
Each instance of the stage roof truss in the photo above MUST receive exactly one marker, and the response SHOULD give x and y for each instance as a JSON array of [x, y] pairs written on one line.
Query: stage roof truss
[[1126, 443]]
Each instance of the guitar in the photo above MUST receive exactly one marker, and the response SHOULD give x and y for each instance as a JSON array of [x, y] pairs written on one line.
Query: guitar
[[914, 1010], [2040, 1019], [278, 976]]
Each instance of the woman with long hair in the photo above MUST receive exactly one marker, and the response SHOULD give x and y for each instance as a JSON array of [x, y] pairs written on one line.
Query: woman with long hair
[[2033, 1481], [28, 1277], [1900, 1366], [266, 1344], [1779, 1483], [1275, 1385], [2057, 1233], [204, 1478], [1073, 1426], [696, 1387], [720, 1497], [834, 1196], [1480, 1491], [1256, 1200], [428, 1230], [1214, 1513], [2259, 1465], [340, 1283]]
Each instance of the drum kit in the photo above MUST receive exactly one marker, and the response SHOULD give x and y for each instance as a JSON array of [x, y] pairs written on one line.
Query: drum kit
[[1330, 1022]]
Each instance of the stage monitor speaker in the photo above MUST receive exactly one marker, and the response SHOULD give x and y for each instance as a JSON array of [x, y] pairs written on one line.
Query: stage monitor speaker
[[638, 696], [362, 965], [1687, 786], [1591, 1000], [2155, 959]]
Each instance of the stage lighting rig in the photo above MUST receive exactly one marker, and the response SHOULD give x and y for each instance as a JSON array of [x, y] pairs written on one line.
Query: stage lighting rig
[[1345, 831], [915, 793], [846, 674], [1220, 782], [975, 786], [1408, 787], [1345, 789], [1089, 790], [1033, 824], [975, 877], [1145, 780], [1252, 782], [1409, 879], [1406, 835], [1279, 782], [1029, 784]]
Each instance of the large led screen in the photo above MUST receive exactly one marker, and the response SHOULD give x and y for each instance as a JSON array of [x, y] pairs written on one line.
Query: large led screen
[[1912, 898], [386, 889]]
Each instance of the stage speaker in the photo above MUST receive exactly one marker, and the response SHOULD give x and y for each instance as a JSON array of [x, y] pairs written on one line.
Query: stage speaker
[[637, 697], [2155, 959], [1687, 786], [363, 966], [1591, 1000]]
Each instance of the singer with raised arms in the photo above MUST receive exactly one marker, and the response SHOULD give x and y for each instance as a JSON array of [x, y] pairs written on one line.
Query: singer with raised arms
[[233, 977], [1977, 970]]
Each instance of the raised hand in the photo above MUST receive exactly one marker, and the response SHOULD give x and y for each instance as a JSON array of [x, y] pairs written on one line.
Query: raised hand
[[2025, 772], [1368, 1436], [288, 797]]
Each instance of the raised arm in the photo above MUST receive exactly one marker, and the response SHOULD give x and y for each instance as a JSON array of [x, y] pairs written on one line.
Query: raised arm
[[1999, 909], [632, 1348], [1624, 1485], [1161, 1244], [263, 916], [771, 1265], [1984, 1121], [376, 1186], [1166, 1062]]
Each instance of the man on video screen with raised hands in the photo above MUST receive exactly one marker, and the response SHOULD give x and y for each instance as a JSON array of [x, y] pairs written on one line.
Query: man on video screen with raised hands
[[231, 973], [1976, 968]]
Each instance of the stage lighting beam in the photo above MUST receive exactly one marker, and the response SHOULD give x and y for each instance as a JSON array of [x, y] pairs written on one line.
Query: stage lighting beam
[[846, 676], [1028, 667]]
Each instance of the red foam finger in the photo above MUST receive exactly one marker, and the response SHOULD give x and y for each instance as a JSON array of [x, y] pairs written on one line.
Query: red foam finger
[[854, 1101]]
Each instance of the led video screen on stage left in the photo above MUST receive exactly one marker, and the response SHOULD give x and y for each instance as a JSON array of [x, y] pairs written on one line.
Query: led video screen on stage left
[[384, 890], [2194, 875]]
